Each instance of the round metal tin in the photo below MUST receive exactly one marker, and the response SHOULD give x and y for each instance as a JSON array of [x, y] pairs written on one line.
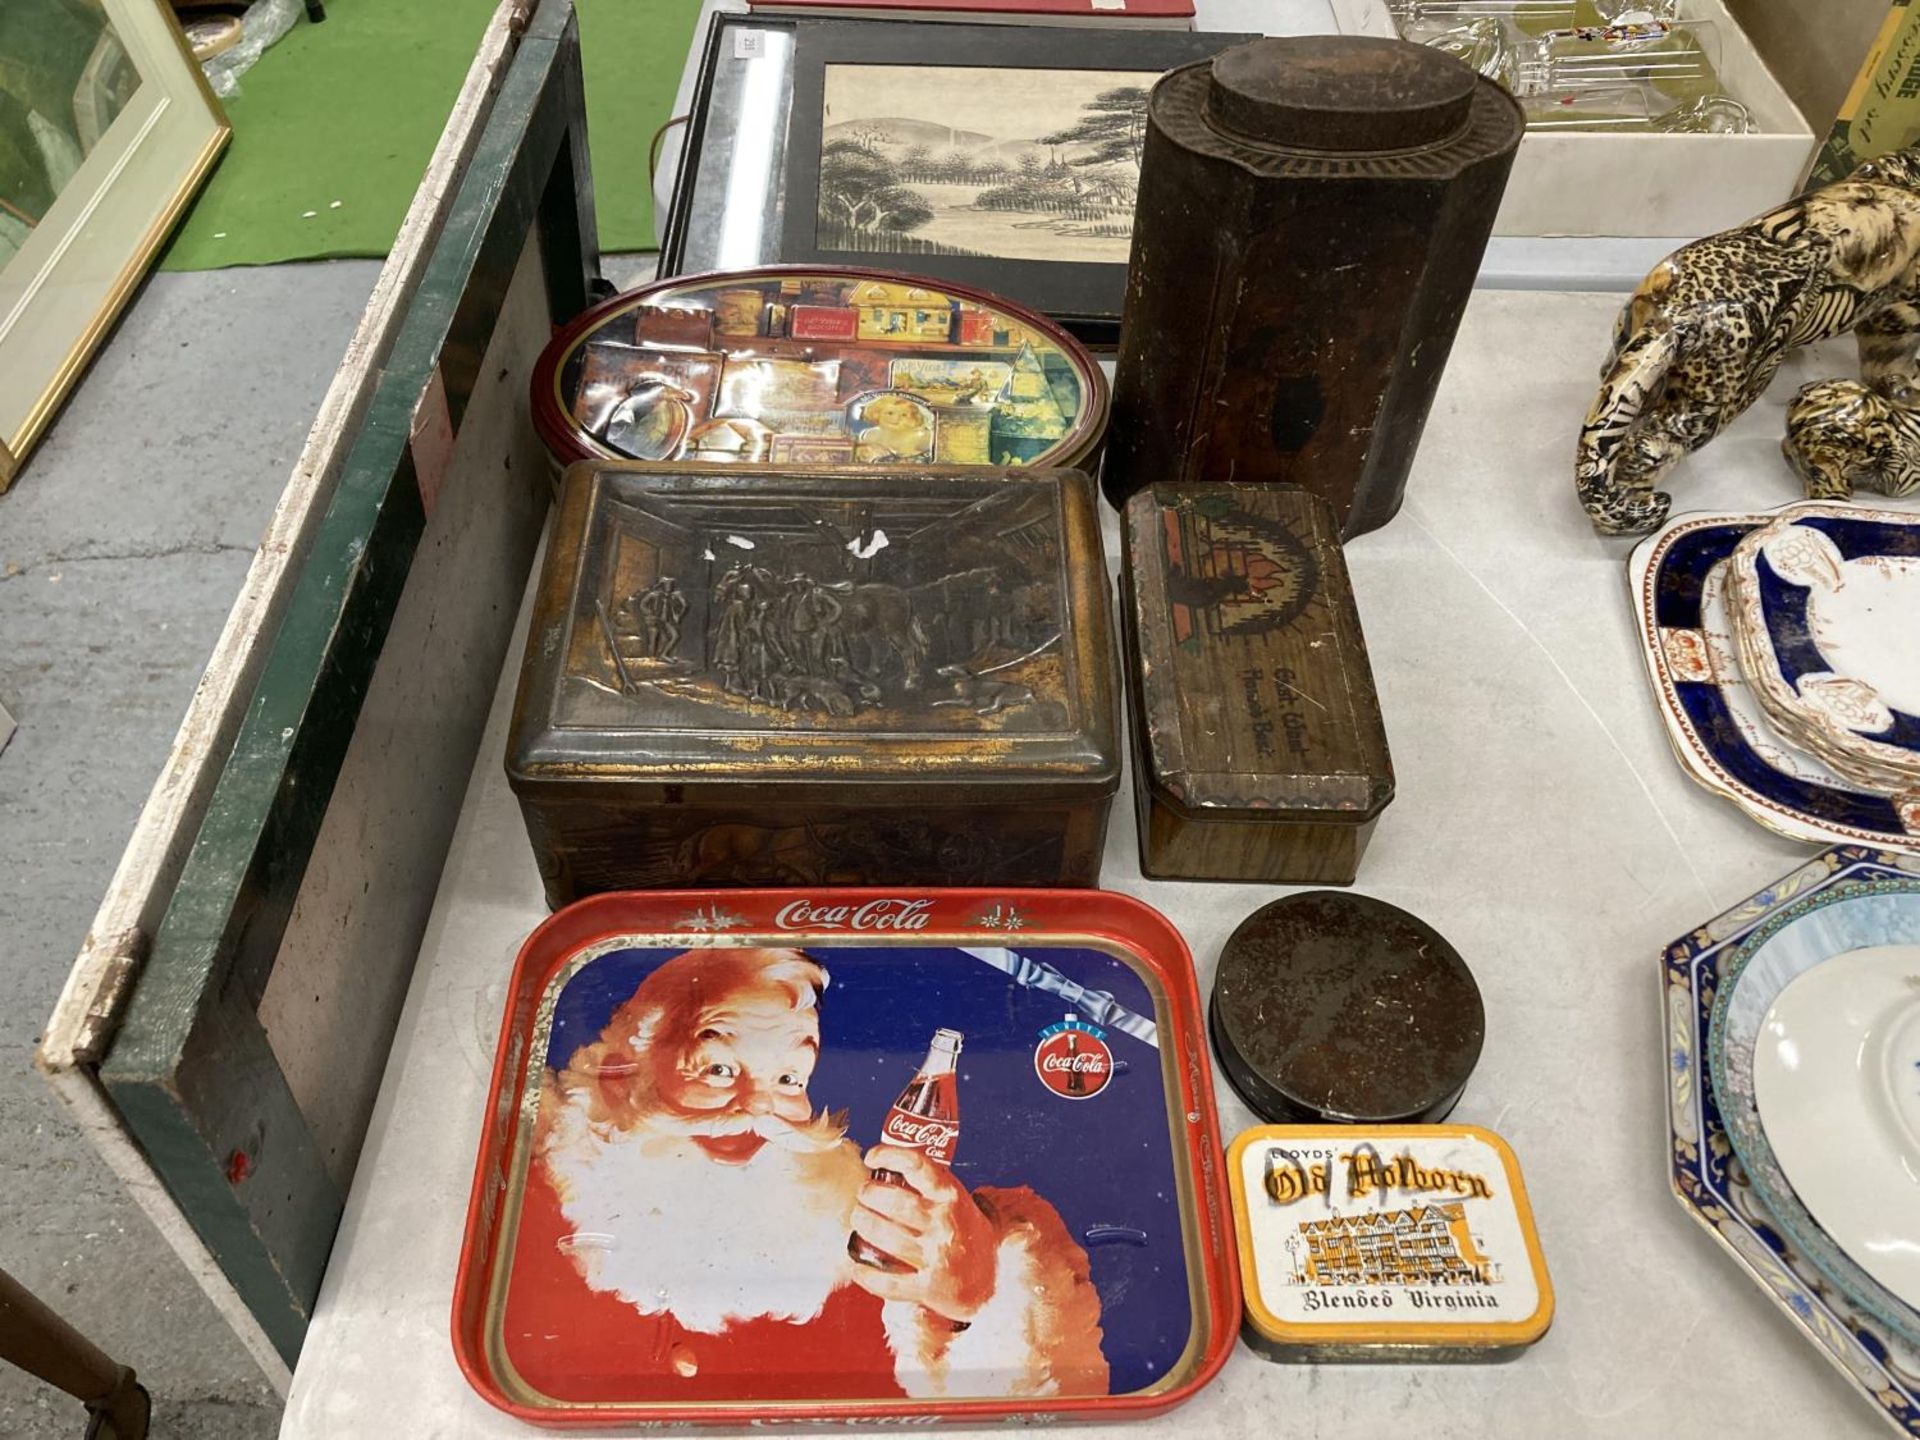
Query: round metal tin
[[1396, 1242], [819, 365], [684, 1091], [1332, 1007]]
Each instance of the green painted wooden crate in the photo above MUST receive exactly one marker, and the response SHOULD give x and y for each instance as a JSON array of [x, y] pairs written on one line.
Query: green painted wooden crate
[[224, 1032]]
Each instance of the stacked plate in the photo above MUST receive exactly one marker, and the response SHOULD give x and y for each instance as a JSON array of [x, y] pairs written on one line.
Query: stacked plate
[[1793, 1070], [1784, 650]]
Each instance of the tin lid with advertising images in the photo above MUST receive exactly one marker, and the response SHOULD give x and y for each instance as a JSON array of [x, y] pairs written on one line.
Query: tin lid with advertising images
[[928, 629], [816, 1155], [1399, 1235], [1254, 692], [796, 366]]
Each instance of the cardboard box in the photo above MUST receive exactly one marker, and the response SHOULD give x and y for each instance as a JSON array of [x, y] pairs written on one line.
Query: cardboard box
[[1660, 185], [1882, 111]]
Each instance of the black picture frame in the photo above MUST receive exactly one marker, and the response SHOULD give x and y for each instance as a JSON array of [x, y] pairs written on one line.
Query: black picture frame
[[1085, 297]]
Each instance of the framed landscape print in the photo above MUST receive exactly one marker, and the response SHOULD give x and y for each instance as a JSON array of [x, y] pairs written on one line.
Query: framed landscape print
[[106, 130], [1001, 156]]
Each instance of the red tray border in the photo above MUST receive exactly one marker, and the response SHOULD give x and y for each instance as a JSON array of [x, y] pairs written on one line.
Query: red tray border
[[1100, 914]]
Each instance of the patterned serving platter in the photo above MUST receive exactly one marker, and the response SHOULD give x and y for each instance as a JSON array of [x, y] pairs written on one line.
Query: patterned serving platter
[[1719, 732], [1707, 1174], [1826, 599], [1807, 932]]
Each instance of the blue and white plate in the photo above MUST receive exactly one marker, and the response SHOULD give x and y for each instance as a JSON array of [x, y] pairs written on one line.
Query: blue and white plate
[[1827, 616], [1713, 1183], [1722, 736], [1834, 925]]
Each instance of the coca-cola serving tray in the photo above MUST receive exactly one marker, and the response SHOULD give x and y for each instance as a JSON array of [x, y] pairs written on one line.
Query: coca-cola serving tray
[[848, 1154]]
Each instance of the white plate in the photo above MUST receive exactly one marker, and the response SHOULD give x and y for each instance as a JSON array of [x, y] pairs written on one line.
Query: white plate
[[1836, 1079]]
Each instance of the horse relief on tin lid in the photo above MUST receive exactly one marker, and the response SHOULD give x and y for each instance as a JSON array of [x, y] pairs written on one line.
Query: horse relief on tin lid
[[881, 609]]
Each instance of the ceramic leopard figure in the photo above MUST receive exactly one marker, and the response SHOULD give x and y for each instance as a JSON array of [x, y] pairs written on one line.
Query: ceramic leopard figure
[[1842, 434], [1703, 335]]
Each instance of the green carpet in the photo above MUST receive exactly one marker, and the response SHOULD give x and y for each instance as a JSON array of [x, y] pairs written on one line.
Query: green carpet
[[332, 129]]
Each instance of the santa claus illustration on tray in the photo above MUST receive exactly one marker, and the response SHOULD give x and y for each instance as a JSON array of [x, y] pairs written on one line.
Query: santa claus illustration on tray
[[695, 1225]]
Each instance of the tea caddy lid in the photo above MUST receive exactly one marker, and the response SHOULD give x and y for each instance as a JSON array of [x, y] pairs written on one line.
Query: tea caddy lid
[[1339, 93]]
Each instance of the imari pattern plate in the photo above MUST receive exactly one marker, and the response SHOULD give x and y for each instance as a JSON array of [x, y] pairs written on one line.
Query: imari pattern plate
[[1722, 737], [1709, 1178], [1826, 610]]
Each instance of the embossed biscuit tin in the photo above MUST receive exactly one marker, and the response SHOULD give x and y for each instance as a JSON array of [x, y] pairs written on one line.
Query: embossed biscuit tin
[[883, 1157], [1259, 749], [791, 365], [1403, 1242], [753, 677]]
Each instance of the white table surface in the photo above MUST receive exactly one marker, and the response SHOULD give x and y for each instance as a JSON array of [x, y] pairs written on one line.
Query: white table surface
[[1541, 824], [1511, 261]]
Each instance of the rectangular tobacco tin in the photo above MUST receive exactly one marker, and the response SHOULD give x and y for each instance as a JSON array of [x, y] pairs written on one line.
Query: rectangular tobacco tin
[[685, 1088], [1402, 1242], [1259, 752]]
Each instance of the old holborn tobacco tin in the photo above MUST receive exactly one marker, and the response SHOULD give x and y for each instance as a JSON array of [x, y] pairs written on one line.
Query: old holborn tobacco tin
[[675, 1176], [750, 677], [1401, 1242], [1329, 1006], [1259, 750], [797, 366]]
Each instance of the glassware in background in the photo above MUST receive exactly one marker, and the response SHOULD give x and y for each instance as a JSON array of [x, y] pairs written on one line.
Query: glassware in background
[[1483, 43], [1527, 14], [1645, 70], [1679, 60], [1630, 110], [1602, 111], [1707, 115], [1616, 12]]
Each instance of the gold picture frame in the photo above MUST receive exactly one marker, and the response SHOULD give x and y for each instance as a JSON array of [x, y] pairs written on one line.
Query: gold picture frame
[[107, 129]]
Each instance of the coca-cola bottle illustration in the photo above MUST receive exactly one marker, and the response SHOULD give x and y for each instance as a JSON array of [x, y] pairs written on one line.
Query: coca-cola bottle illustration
[[926, 1118], [1076, 1081]]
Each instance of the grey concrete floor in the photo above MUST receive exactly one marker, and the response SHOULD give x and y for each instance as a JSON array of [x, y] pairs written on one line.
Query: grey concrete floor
[[122, 545]]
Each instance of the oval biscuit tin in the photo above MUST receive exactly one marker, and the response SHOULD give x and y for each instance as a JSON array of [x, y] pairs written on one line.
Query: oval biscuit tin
[[803, 366]]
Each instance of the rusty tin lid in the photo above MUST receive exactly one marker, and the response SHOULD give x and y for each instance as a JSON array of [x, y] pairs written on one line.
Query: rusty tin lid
[[1340, 92], [1337, 107], [1407, 1242], [818, 365], [1335, 1007], [675, 1155], [1253, 696], [828, 629]]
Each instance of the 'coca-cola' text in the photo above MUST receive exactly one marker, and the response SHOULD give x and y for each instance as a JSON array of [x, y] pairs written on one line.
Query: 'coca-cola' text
[[884, 914], [934, 1138], [1085, 1063]]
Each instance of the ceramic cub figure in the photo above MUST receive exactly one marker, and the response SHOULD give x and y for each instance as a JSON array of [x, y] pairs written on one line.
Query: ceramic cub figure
[[1705, 332], [1842, 434]]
